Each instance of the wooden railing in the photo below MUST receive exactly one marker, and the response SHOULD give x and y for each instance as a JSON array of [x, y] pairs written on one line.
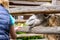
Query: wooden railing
[[36, 10], [24, 10], [20, 21], [33, 0], [26, 3]]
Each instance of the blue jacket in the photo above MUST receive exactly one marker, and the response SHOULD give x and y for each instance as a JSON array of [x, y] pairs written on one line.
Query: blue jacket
[[4, 23]]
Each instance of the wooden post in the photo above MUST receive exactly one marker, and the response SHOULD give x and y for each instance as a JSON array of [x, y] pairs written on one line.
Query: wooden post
[[56, 2]]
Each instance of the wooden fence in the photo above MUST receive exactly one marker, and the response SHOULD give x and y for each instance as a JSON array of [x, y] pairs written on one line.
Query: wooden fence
[[38, 10]]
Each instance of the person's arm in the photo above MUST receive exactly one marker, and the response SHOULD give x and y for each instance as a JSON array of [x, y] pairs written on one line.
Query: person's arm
[[12, 31]]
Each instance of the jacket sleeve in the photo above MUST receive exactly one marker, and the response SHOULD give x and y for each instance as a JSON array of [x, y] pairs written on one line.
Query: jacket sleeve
[[12, 20]]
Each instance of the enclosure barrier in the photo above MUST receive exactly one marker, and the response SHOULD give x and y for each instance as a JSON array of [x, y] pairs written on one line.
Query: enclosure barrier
[[38, 10]]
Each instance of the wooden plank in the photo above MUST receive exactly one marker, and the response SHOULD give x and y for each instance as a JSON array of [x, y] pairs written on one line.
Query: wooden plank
[[27, 35], [56, 2], [18, 14], [26, 3], [33, 0], [41, 30], [35, 10], [15, 6], [20, 21], [48, 30]]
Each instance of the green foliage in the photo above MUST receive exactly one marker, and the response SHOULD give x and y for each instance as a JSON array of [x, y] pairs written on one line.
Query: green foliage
[[28, 37], [31, 37], [20, 33]]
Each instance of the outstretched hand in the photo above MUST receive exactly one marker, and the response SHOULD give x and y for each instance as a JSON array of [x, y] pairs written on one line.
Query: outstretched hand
[[17, 29]]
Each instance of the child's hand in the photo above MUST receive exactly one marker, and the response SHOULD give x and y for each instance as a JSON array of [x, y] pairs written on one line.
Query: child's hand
[[17, 29]]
